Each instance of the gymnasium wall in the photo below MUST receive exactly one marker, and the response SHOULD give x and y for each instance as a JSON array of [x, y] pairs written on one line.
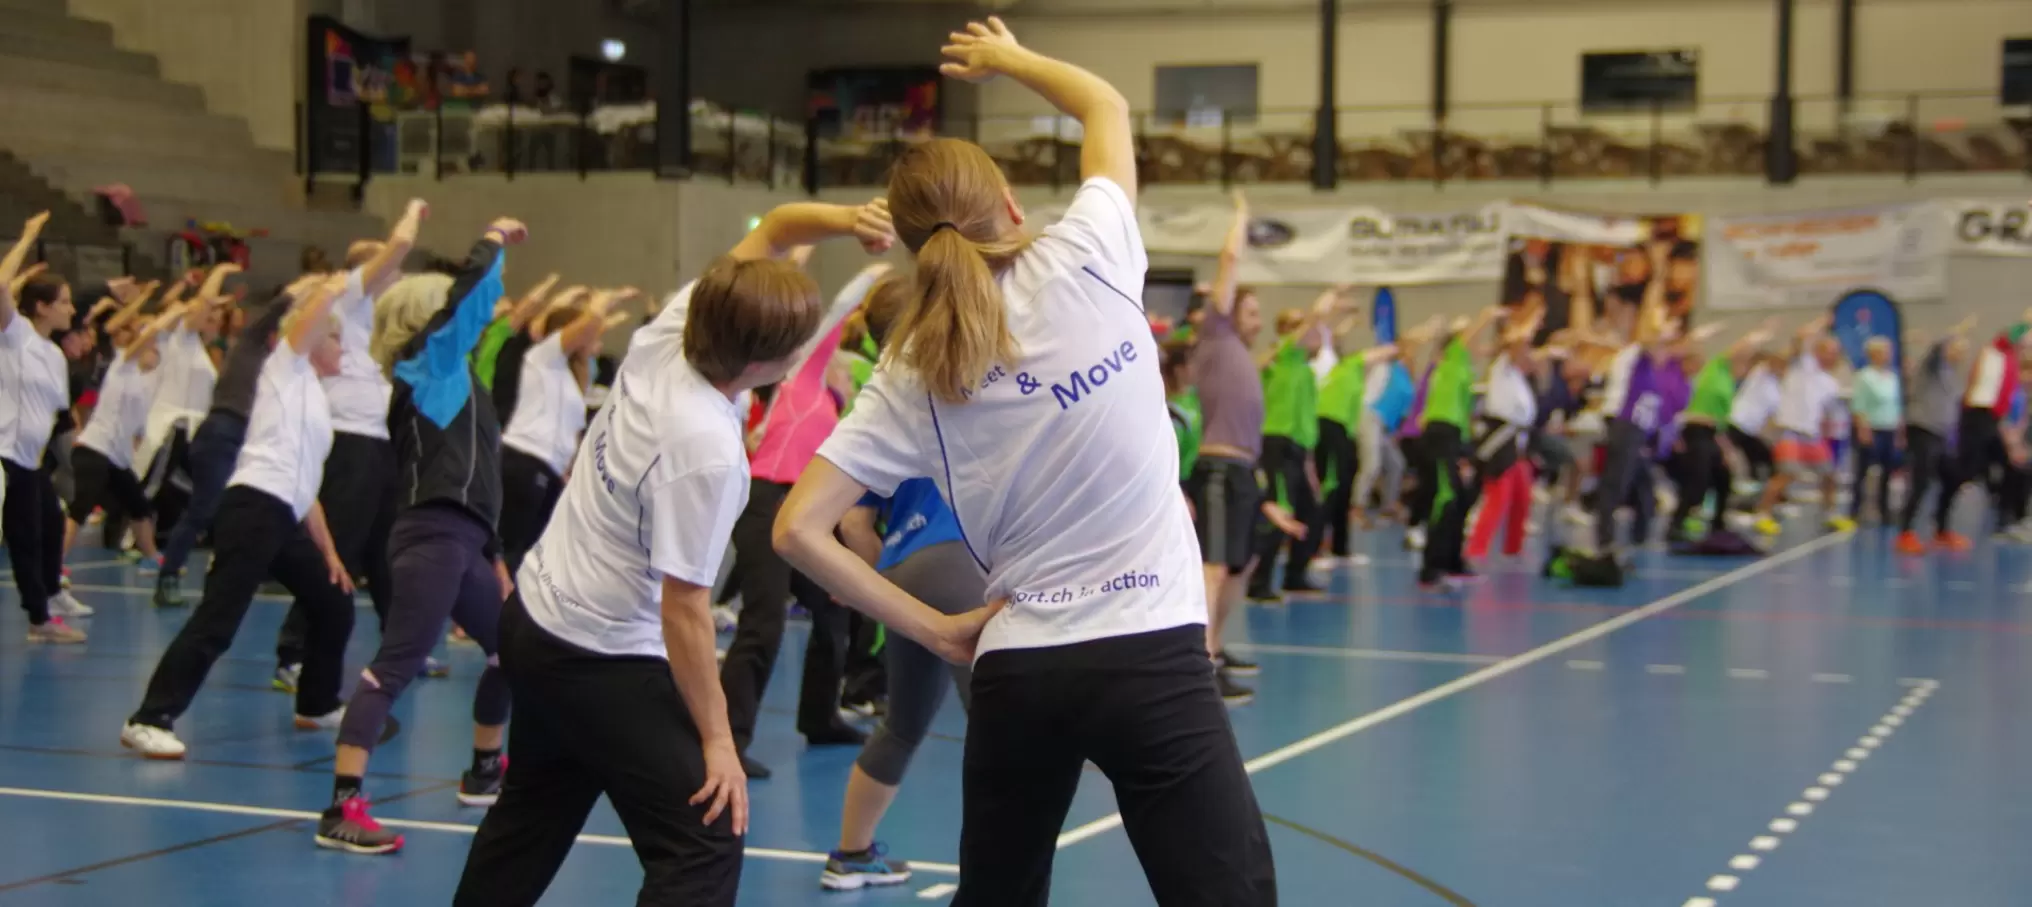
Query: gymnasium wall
[[246, 54]]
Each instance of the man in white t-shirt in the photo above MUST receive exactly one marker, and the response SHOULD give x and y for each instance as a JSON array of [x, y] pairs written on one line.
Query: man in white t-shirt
[[1805, 395], [608, 639]]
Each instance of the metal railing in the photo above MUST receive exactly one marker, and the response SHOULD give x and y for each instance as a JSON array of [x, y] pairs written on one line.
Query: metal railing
[[1910, 135]]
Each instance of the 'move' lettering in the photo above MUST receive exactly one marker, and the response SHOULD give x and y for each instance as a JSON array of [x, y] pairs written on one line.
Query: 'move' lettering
[[1092, 378]]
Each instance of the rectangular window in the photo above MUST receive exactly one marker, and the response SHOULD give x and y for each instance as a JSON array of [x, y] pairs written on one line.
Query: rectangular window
[[1635, 81], [2017, 71], [1206, 95]]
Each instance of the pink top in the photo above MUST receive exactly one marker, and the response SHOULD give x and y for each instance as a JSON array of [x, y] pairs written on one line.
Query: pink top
[[800, 417]]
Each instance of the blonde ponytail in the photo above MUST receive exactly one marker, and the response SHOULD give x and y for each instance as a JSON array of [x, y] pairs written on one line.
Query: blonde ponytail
[[402, 311], [952, 207]]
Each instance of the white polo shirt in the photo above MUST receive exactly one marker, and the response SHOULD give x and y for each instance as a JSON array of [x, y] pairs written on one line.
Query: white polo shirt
[[550, 409], [1061, 468], [122, 413], [1804, 396], [654, 493], [1756, 401], [1510, 397], [34, 386], [359, 392], [289, 434]]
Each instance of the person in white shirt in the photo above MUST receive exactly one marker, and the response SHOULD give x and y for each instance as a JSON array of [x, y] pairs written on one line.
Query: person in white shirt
[[550, 413], [185, 379], [34, 388], [357, 491], [269, 525], [1750, 415], [1509, 409], [607, 641], [1026, 385], [1802, 451], [103, 458]]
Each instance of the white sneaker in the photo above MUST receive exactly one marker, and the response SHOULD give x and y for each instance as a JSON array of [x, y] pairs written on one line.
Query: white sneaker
[[1575, 515], [56, 633], [1414, 538], [725, 618], [151, 742], [321, 722], [64, 604]]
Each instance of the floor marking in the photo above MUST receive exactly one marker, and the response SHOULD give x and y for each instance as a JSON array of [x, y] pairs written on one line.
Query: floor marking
[[761, 853], [937, 891], [1857, 753], [1749, 673], [1794, 811], [1367, 654], [1832, 678], [1585, 665], [1469, 681], [1664, 669]]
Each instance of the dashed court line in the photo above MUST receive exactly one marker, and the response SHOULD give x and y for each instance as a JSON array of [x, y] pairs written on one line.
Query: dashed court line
[[1918, 690]]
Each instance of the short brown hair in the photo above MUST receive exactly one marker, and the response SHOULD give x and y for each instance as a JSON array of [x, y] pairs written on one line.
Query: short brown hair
[[745, 312], [886, 301]]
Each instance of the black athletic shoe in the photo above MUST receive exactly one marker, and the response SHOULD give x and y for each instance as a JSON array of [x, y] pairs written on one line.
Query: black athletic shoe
[[1233, 693], [1230, 664], [1302, 587], [1465, 576], [755, 771], [169, 590], [1266, 596], [482, 790]]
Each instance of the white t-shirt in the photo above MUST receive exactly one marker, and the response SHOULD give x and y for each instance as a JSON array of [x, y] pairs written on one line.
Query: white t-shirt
[[34, 386], [1061, 468], [289, 434], [359, 392], [654, 493], [122, 413], [187, 375], [1804, 396], [1986, 380], [1510, 397], [550, 409], [1756, 401]]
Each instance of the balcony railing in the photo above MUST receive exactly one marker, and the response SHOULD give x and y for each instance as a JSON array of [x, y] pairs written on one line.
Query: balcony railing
[[1908, 135]]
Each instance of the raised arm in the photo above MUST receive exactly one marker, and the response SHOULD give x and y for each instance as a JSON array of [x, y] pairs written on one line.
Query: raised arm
[[535, 301], [1221, 295], [10, 266], [215, 280], [387, 261], [1108, 145], [125, 314], [438, 351], [592, 322], [816, 352], [300, 329], [163, 321], [787, 227]]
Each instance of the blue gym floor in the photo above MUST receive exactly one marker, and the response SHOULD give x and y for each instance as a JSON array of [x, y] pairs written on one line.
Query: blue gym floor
[[1827, 726]]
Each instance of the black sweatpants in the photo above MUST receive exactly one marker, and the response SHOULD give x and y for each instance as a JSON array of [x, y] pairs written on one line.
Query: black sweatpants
[[1424, 476], [588, 724], [529, 493], [943, 576], [32, 522], [1977, 449], [1144, 710], [1926, 458], [1626, 477], [1456, 484], [767, 583], [1704, 470], [1756, 451], [256, 536], [1334, 460], [358, 494], [1284, 462]]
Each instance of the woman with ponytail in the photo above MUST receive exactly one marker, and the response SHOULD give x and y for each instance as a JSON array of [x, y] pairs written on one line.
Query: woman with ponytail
[[1023, 379]]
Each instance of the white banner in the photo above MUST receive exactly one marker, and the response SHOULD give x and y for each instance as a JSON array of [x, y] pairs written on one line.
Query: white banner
[[1988, 227], [1814, 258]]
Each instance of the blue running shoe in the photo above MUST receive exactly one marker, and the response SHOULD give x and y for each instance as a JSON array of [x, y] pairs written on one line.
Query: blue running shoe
[[851, 871]]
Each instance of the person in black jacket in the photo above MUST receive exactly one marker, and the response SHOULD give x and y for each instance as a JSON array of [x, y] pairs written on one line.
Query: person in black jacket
[[444, 552]]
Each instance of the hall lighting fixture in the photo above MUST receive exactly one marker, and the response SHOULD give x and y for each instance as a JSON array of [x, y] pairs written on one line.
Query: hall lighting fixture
[[612, 50]]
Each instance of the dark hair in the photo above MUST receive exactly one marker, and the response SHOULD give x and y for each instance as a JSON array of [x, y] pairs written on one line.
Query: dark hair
[[314, 261], [885, 304], [41, 290], [1195, 302], [1684, 250], [745, 312], [1174, 355]]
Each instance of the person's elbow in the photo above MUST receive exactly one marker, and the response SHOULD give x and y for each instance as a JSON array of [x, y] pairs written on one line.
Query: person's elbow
[[797, 539]]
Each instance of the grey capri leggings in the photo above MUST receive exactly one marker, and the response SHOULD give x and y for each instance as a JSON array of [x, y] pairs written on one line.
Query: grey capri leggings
[[946, 578]]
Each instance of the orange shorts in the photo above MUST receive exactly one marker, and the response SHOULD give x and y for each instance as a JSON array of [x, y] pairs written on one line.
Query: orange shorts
[[1802, 452]]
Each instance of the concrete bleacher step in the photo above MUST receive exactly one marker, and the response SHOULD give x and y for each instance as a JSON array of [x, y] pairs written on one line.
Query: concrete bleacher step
[[30, 73], [74, 232], [45, 7], [57, 26], [93, 121], [284, 223], [78, 53], [166, 178]]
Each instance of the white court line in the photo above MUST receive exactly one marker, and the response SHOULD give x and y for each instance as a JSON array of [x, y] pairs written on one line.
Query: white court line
[[1369, 654], [762, 853], [1588, 634]]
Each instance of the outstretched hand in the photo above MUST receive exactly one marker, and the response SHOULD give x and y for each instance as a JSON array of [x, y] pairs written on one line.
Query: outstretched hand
[[977, 54], [509, 231]]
